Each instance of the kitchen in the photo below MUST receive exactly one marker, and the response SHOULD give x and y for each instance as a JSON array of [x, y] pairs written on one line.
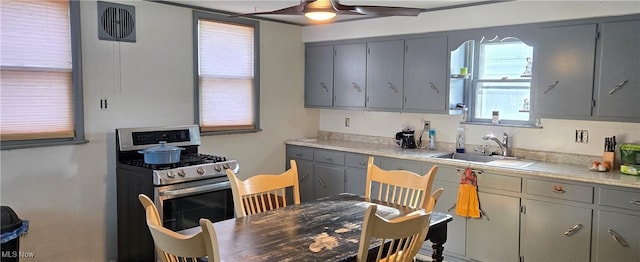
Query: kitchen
[[69, 195]]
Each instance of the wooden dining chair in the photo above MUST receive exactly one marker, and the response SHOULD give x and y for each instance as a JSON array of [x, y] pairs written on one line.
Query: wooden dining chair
[[400, 186], [174, 247], [433, 200], [264, 192], [403, 236]]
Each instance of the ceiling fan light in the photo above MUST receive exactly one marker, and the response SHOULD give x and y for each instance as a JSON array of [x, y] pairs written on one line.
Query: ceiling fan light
[[320, 15]]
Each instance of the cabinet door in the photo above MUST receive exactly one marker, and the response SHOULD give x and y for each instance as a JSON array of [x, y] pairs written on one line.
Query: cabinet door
[[385, 66], [329, 181], [618, 237], [355, 181], [563, 71], [500, 227], [318, 86], [349, 71], [619, 80], [305, 179], [457, 228], [556, 232], [425, 75]]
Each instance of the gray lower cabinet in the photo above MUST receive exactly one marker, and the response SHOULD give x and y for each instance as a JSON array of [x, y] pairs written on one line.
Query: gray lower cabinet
[[329, 180], [324, 173], [617, 234], [557, 221], [563, 67], [618, 81], [494, 237], [385, 82], [318, 83]]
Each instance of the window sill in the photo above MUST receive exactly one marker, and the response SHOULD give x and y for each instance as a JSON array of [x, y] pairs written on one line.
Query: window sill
[[43, 143], [213, 133], [504, 125]]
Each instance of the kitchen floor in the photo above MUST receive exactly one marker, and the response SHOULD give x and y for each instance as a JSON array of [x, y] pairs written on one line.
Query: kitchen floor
[[424, 258]]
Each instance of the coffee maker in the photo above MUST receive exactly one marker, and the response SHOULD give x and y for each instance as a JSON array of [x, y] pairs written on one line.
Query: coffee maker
[[406, 139]]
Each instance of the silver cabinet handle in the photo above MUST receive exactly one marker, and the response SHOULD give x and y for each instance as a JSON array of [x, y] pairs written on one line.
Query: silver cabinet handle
[[618, 86], [573, 229], [635, 202], [324, 87], [433, 86], [618, 238], [298, 154], [452, 207], [356, 87], [551, 86], [321, 182], [303, 178], [328, 158], [390, 86]]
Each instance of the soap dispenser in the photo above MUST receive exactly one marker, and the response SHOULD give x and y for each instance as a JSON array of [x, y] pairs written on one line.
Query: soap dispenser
[[460, 140]]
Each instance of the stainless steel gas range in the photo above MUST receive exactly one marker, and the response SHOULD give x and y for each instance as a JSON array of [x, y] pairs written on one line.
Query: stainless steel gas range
[[193, 188]]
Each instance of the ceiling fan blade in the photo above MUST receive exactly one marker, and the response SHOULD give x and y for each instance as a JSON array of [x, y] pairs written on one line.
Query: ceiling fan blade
[[387, 10], [292, 10]]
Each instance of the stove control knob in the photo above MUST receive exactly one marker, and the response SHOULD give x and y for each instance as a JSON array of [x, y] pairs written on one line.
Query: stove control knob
[[217, 168], [200, 170], [181, 173], [170, 175], [226, 166]]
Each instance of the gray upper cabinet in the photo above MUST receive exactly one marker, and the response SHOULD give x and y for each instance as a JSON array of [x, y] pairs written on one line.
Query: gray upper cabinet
[[425, 75], [618, 81], [319, 76], [349, 71], [385, 65], [563, 71]]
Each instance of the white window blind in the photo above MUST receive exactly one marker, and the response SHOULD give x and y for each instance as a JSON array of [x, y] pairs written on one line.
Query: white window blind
[[36, 70], [226, 76]]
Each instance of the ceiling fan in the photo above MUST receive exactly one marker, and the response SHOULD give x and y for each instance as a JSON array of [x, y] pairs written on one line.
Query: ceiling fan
[[326, 9]]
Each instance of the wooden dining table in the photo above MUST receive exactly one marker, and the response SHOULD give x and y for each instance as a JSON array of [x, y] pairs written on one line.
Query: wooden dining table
[[326, 229]]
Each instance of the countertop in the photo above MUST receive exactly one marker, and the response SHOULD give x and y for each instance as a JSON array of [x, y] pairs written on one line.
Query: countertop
[[539, 169]]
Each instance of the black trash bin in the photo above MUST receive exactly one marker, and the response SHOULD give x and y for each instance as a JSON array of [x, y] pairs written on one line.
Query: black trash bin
[[12, 228]]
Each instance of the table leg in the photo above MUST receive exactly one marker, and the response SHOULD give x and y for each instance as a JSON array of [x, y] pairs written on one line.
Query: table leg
[[438, 237]]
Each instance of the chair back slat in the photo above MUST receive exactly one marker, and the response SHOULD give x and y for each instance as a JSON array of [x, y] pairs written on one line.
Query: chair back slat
[[264, 192]]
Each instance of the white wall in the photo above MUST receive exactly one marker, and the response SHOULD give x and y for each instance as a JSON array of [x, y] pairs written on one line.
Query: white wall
[[68, 192], [556, 136]]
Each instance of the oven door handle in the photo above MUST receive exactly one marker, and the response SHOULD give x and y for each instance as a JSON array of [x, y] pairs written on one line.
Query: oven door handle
[[196, 190]]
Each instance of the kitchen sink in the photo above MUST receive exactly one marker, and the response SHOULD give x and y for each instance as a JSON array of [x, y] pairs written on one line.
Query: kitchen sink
[[489, 160]]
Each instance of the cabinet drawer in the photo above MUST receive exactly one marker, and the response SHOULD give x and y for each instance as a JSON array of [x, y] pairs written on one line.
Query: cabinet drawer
[[395, 164], [506, 183], [329, 157], [300, 152], [560, 190], [619, 198], [356, 160]]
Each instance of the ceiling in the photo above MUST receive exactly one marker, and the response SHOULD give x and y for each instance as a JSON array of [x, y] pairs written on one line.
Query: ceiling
[[245, 6]]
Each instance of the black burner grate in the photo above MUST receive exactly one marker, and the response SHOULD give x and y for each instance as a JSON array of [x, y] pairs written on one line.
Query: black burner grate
[[186, 160]]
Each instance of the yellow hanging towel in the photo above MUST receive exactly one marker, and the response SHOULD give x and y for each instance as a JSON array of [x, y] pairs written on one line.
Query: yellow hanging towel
[[468, 204]]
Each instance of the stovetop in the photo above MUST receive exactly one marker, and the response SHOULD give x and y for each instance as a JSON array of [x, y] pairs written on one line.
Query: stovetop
[[185, 160]]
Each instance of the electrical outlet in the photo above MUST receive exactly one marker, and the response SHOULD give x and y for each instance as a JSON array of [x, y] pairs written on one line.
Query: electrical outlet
[[582, 136], [346, 122], [103, 104], [427, 125]]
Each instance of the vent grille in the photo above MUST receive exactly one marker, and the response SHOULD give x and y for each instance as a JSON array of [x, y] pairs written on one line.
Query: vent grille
[[116, 22]]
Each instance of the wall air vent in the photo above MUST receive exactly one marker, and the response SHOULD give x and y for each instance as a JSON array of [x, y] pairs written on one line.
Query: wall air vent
[[116, 22]]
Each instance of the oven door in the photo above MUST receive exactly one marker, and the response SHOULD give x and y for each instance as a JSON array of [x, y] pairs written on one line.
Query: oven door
[[182, 205]]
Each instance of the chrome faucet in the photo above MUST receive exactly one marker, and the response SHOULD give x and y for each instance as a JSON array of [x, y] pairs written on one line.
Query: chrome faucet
[[504, 144]]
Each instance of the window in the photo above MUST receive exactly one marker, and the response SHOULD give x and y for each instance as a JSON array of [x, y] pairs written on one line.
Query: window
[[502, 82], [227, 83], [41, 101]]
